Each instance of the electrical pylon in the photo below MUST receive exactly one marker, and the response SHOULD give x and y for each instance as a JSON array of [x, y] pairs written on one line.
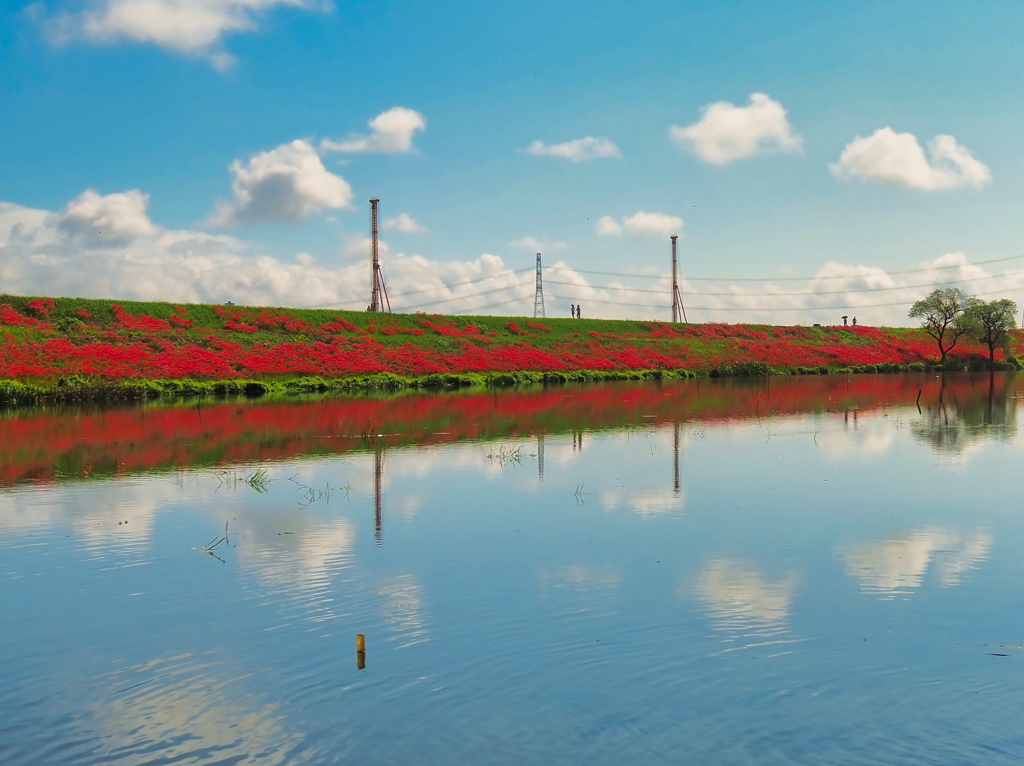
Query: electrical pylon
[[377, 288], [538, 298], [677, 298]]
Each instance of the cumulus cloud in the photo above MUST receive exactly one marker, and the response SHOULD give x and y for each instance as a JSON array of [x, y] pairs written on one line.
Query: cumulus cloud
[[404, 223], [607, 226], [578, 150], [538, 245], [106, 221], [286, 184], [898, 159], [870, 293], [726, 132], [42, 253], [640, 223], [59, 252], [188, 27], [653, 223], [391, 133]]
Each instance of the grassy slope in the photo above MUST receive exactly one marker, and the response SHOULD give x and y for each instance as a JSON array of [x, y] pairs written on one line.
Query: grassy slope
[[565, 347]]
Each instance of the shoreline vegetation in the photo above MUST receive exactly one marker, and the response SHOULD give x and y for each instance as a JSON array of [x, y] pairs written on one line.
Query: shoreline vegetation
[[75, 349]]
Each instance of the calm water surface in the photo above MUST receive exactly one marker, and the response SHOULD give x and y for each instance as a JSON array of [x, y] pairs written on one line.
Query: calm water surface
[[774, 572]]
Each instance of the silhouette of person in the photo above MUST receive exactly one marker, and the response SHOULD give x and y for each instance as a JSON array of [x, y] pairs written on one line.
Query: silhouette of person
[[845, 323], [855, 321], [577, 311], [572, 310]]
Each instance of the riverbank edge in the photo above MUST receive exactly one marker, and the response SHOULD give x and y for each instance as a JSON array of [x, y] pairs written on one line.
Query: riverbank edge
[[85, 389]]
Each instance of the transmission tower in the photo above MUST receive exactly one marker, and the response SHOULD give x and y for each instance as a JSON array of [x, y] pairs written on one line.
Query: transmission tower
[[377, 288], [538, 298], [677, 298]]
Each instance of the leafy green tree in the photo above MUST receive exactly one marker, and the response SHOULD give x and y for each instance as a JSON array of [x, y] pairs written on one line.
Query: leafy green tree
[[991, 322], [944, 316]]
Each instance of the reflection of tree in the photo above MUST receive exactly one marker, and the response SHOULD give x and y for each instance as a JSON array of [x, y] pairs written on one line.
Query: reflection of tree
[[963, 416]]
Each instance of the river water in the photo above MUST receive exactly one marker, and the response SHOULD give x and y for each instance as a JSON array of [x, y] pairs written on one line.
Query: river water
[[782, 571]]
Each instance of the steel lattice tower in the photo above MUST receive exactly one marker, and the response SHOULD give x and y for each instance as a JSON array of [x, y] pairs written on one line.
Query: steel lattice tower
[[677, 298], [538, 298], [377, 288]]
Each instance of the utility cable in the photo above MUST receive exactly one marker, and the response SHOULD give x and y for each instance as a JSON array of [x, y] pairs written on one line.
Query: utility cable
[[461, 297], [805, 292], [776, 279], [438, 287], [779, 308]]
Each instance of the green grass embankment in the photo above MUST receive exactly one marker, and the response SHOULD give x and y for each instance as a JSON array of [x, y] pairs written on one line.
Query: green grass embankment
[[74, 349]]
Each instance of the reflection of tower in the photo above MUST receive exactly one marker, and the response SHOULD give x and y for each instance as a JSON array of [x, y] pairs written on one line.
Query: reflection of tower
[[540, 456], [378, 480], [675, 451], [538, 297]]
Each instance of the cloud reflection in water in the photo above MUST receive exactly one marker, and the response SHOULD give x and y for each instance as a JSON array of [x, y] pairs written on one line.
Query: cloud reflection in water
[[899, 564]]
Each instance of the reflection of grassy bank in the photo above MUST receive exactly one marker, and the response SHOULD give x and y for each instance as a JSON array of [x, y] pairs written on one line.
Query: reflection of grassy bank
[[71, 349], [91, 389], [84, 389], [92, 440]]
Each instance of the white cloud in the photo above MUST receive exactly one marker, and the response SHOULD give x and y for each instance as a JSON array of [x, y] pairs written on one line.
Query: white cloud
[[404, 223], [189, 27], [607, 226], [51, 253], [538, 245], [726, 132], [40, 254], [392, 133], [578, 150], [106, 221], [15, 219], [870, 293], [285, 184], [898, 159], [640, 223], [653, 223]]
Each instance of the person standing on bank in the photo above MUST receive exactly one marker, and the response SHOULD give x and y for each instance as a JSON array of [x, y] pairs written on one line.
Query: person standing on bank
[[572, 310]]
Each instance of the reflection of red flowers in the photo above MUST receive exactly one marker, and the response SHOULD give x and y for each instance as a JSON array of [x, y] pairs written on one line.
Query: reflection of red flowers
[[35, 440]]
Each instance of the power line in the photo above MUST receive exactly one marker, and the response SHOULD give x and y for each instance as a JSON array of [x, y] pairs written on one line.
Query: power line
[[780, 279], [492, 305], [438, 287], [779, 308], [467, 295], [804, 292]]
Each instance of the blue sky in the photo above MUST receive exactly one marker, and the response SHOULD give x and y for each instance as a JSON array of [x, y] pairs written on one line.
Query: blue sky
[[164, 96]]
